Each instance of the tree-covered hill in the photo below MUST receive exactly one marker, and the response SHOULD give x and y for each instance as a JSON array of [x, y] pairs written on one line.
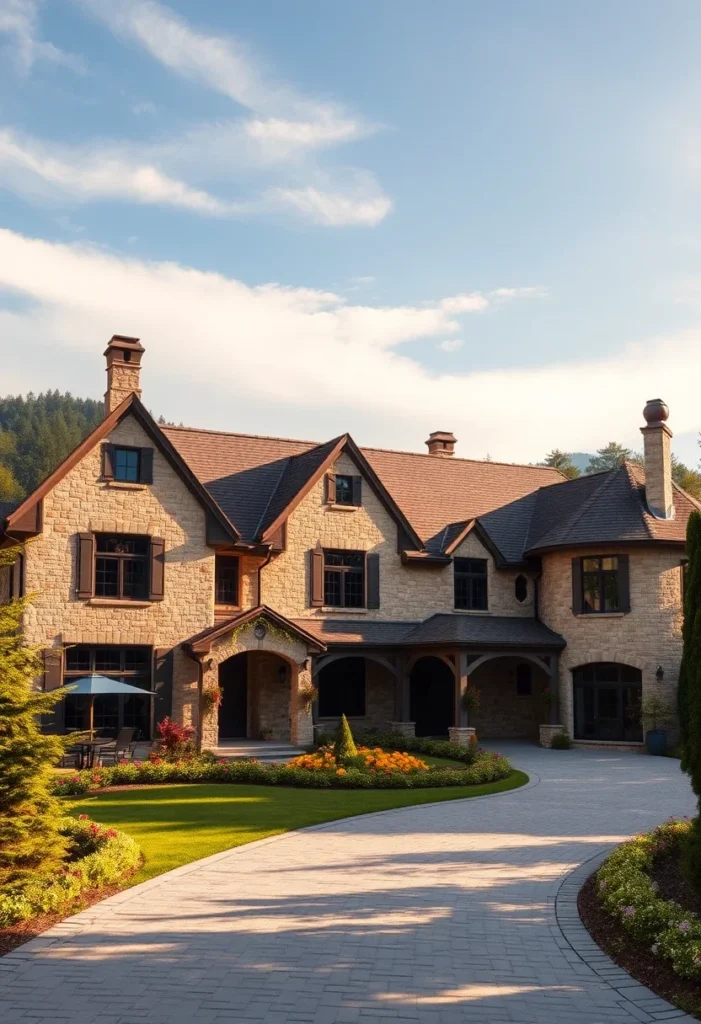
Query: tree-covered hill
[[36, 433]]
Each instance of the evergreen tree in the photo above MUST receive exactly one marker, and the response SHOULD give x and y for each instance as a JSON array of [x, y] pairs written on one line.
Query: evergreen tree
[[562, 461], [610, 457], [29, 814], [344, 748]]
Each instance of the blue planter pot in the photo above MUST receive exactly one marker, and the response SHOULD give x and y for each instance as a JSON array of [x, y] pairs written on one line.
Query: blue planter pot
[[656, 742]]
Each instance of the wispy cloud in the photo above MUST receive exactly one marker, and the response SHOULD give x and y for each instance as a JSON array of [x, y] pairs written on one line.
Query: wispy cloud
[[451, 344], [19, 22], [363, 205]]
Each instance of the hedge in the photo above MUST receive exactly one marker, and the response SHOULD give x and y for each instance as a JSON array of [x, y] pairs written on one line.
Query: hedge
[[626, 890], [102, 857], [484, 768]]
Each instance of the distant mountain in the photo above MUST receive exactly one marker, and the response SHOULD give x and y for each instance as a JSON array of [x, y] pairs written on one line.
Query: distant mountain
[[581, 460]]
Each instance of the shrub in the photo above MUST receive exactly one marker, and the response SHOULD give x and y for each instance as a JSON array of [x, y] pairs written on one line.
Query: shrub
[[174, 741], [627, 891], [344, 748], [100, 857], [561, 741]]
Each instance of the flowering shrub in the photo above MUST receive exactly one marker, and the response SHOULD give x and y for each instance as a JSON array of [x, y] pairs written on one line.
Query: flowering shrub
[[98, 856], [627, 892], [212, 698], [174, 741], [372, 760], [414, 744], [485, 768]]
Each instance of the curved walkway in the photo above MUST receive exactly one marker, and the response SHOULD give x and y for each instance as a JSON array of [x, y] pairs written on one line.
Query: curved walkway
[[441, 913]]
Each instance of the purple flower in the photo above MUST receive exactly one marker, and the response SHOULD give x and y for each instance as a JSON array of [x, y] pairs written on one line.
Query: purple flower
[[628, 911], [654, 948], [684, 926]]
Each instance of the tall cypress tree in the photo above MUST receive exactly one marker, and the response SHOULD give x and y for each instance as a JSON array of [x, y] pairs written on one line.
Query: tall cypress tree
[[29, 813], [689, 689]]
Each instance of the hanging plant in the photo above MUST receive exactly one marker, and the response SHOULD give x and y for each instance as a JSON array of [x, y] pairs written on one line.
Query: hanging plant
[[471, 698], [307, 695], [211, 699]]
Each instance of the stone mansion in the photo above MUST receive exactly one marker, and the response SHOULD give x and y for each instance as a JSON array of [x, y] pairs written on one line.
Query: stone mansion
[[183, 560]]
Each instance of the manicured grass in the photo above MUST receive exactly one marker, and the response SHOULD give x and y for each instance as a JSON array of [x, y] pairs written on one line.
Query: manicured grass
[[174, 825]]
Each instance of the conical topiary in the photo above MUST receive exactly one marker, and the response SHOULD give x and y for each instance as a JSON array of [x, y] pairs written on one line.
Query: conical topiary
[[29, 814], [344, 748]]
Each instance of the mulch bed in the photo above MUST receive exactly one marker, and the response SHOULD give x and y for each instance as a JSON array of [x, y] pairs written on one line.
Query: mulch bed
[[17, 934], [633, 956]]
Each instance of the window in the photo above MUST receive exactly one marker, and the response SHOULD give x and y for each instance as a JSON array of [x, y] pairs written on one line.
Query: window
[[524, 680], [121, 566], [342, 688], [130, 665], [226, 580], [127, 464], [600, 585], [344, 579], [344, 490], [521, 588], [607, 699], [471, 583]]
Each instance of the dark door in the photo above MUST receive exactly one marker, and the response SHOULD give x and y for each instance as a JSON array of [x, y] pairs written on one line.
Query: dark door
[[233, 679], [432, 697], [607, 700]]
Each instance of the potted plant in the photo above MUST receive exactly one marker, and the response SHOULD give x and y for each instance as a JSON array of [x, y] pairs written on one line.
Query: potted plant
[[655, 711], [306, 697], [212, 698], [470, 701]]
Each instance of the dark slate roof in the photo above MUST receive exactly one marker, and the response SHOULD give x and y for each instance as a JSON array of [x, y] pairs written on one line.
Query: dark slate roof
[[368, 633], [298, 471], [483, 631]]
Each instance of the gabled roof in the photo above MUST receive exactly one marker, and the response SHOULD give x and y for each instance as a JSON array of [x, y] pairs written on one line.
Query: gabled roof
[[201, 643], [605, 508], [130, 406]]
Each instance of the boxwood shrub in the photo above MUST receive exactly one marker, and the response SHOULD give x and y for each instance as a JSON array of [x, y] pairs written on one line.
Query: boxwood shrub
[[97, 857], [482, 769], [627, 891]]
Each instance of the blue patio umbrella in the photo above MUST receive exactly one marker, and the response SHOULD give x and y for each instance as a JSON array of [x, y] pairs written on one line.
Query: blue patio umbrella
[[95, 686]]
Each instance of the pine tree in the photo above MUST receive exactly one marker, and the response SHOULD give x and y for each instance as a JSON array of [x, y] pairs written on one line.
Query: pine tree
[[562, 461], [344, 748], [29, 814], [610, 457]]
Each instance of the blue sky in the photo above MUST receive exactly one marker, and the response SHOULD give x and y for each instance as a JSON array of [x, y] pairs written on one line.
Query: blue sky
[[378, 217]]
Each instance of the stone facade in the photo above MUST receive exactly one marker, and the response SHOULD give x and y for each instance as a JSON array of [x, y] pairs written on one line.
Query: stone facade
[[647, 637], [502, 713]]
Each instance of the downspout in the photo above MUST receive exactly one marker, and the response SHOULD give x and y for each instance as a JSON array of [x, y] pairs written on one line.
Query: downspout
[[260, 576], [200, 690]]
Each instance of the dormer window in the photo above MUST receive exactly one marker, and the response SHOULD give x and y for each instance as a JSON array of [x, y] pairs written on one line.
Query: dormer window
[[124, 464], [471, 584], [127, 465], [344, 490]]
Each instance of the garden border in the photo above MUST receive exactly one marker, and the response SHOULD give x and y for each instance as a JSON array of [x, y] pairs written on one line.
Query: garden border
[[635, 997]]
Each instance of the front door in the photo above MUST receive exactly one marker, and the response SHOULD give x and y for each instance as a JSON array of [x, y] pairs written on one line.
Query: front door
[[432, 697], [233, 711]]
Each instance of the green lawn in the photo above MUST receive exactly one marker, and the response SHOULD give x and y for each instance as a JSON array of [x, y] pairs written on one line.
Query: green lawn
[[174, 825]]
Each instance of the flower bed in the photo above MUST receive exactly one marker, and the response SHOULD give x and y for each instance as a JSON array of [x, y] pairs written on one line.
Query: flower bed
[[483, 768], [369, 759], [98, 857], [413, 744], [627, 891]]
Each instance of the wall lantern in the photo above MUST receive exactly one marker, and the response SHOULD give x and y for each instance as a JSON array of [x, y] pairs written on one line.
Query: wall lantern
[[659, 674]]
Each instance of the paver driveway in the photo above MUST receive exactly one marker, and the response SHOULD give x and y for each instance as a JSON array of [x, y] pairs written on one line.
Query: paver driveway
[[439, 913]]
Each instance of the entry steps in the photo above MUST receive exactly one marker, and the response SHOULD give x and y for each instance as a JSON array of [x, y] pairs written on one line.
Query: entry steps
[[261, 750]]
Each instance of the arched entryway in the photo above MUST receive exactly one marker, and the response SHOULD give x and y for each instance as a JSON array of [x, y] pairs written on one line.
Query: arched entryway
[[432, 696], [233, 710], [256, 697], [607, 699]]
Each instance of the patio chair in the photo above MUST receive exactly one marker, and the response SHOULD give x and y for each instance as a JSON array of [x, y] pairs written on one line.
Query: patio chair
[[71, 757], [120, 748]]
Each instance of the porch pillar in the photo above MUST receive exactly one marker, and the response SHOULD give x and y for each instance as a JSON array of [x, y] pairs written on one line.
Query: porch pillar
[[554, 725], [402, 700], [461, 681], [301, 724]]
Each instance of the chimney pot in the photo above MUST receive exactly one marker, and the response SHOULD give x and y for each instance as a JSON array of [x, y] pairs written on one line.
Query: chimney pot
[[123, 355], [657, 441], [441, 443]]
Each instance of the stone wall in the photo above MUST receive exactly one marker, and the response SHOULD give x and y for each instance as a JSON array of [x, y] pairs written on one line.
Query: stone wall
[[502, 713], [645, 638], [405, 592]]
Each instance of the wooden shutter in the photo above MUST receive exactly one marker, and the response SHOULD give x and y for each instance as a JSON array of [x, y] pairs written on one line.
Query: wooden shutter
[[157, 580], [623, 583], [372, 580], [53, 668], [316, 561], [108, 462], [86, 565], [358, 490], [577, 605], [146, 466], [330, 489], [17, 577], [162, 683]]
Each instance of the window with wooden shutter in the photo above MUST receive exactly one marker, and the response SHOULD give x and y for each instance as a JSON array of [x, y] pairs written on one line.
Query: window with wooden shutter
[[330, 488], [316, 574], [86, 565], [17, 577], [577, 586], [162, 683], [372, 575], [157, 579], [623, 583], [53, 668], [108, 462], [357, 491], [146, 466]]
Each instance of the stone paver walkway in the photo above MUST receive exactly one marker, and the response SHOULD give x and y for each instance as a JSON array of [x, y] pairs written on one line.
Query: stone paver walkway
[[441, 914]]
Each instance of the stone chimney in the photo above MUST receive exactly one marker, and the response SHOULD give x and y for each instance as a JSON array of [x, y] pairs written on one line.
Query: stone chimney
[[442, 444], [657, 439], [123, 370]]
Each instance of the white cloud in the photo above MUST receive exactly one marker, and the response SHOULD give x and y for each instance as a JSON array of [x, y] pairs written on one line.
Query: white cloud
[[531, 292], [223, 354], [451, 344], [473, 303], [364, 205], [19, 20], [33, 168]]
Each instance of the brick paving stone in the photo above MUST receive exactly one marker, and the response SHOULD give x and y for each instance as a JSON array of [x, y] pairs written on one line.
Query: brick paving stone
[[440, 914]]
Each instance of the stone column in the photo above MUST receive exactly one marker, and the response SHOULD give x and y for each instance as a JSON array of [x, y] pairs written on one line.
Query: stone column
[[402, 701], [461, 683], [301, 723]]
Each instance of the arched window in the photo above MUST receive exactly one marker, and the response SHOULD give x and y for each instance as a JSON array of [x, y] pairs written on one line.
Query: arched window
[[521, 588], [342, 688], [607, 700]]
